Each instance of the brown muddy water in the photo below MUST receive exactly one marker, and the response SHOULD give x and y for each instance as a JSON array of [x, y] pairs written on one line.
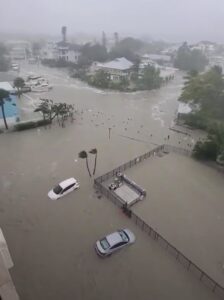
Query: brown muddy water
[[52, 242]]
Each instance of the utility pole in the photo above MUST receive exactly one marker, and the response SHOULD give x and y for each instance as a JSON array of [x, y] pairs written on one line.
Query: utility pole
[[109, 132]]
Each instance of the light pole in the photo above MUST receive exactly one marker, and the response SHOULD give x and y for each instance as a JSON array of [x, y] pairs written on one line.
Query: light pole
[[109, 132]]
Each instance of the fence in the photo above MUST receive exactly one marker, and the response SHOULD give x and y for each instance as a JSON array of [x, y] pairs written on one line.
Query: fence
[[130, 163], [180, 257], [170, 148]]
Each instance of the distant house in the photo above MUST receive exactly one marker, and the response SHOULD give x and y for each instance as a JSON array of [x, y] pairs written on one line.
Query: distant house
[[67, 52], [11, 111], [171, 51], [217, 61], [205, 47], [117, 69], [18, 49], [61, 51], [156, 58], [166, 72], [182, 110]]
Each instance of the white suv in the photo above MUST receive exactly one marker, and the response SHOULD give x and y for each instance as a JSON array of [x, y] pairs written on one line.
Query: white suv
[[63, 188]]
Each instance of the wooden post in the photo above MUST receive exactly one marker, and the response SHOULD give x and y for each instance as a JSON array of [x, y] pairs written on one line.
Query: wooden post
[[109, 132]]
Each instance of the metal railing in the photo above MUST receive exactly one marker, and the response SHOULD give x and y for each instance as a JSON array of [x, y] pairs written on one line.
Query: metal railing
[[130, 163], [179, 256]]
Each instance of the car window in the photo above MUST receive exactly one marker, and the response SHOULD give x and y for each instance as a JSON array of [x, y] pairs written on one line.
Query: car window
[[58, 189], [68, 187], [118, 245], [124, 236], [104, 244]]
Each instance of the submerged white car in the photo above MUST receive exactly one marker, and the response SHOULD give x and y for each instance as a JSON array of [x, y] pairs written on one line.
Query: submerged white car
[[63, 188], [114, 241]]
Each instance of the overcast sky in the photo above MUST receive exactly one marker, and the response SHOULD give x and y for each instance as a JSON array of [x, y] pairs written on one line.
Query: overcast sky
[[174, 20]]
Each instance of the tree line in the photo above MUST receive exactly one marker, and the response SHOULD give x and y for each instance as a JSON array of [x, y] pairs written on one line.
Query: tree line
[[205, 94]]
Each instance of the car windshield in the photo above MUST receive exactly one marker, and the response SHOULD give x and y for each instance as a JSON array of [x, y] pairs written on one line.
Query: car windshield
[[104, 243], [124, 236], [57, 190]]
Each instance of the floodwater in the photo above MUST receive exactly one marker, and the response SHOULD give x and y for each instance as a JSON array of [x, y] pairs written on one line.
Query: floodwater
[[52, 242], [184, 203]]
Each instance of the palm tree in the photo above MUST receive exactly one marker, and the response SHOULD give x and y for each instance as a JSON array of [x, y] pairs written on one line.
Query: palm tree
[[94, 151], [83, 154], [4, 95], [19, 83]]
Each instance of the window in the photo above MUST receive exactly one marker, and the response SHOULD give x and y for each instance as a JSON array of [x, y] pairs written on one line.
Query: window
[[57, 190], [118, 245], [104, 243], [124, 236], [68, 187]]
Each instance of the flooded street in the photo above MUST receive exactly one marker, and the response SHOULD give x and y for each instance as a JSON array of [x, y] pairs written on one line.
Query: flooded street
[[52, 242]]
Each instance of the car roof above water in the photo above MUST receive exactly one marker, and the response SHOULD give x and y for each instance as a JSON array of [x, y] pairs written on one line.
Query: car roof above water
[[67, 182], [114, 238]]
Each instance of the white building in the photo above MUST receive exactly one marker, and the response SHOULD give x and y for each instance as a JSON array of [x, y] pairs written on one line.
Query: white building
[[18, 49], [182, 110], [157, 58], [67, 52], [49, 51], [207, 48], [151, 60], [217, 61], [117, 68], [61, 51]]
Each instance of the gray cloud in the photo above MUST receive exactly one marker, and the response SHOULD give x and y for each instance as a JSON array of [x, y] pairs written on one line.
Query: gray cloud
[[168, 19]]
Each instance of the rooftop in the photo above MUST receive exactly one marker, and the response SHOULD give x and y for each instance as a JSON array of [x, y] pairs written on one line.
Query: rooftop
[[119, 63], [6, 86], [157, 57], [67, 182], [184, 108], [114, 238]]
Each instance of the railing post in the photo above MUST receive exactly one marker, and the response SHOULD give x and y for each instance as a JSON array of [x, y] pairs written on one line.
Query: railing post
[[214, 287], [202, 274]]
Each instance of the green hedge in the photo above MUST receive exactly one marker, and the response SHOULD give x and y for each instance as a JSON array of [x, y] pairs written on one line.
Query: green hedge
[[31, 124]]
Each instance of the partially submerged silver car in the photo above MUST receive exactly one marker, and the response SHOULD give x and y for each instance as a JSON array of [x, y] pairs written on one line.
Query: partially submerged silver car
[[114, 241]]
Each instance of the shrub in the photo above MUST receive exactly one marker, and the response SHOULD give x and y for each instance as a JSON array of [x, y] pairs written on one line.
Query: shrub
[[31, 124], [206, 151]]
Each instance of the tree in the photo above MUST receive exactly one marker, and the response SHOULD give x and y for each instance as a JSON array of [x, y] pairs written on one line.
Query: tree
[[83, 155], [94, 151], [19, 84], [4, 96], [213, 147], [116, 38], [187, 59], [127, 48], [64, 32], [4, 61], [150, 79], [205, 92], [101, 79], [36, 47], [104, 40], [95, 52], [51, 110]]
